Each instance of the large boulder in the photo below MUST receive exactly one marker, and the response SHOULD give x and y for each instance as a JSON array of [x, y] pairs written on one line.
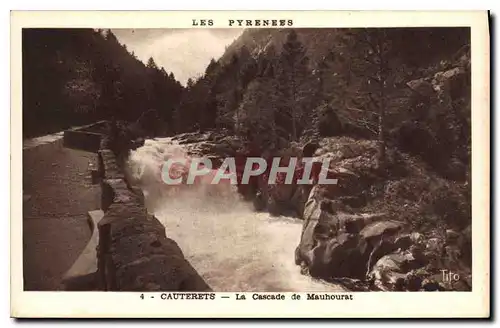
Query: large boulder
[[391, 271], [353, 163], [336, 244], [328, 122], [340, 241], [426, 263], [422, 86], [451, 83], [403, 270], [441, 118]]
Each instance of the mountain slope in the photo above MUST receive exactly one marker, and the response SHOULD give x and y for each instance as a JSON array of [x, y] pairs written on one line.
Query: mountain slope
[[79, 76], [419, 46], [318, 42]]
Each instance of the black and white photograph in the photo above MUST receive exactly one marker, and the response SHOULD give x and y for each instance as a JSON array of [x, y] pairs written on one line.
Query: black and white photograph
[[248, 159]]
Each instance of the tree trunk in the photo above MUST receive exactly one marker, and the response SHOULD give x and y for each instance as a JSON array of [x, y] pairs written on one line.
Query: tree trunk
[[294, 127], [381, 139], [236, 114], [381, 119], [292, 111]]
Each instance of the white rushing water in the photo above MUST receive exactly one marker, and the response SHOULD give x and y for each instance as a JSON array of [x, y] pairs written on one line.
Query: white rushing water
[[232, 247]]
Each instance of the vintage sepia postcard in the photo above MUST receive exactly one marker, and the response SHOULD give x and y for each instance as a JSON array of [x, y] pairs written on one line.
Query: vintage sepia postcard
[[250, 164]]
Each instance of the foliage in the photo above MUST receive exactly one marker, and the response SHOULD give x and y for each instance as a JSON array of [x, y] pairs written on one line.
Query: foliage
[[303, 84], [271, 87], [78, 76]]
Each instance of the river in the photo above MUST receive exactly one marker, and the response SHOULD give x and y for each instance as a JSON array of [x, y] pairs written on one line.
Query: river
[[232, 247]]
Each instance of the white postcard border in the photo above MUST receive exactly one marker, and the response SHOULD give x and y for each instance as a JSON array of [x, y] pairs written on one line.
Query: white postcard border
[[371, 304]]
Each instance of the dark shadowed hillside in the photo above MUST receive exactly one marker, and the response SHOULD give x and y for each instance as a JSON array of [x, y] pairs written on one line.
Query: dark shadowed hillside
[[418, 46], [78, 76], [324, 82]]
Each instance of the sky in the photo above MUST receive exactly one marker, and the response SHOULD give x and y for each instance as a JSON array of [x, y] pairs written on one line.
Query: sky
[[185, 52]]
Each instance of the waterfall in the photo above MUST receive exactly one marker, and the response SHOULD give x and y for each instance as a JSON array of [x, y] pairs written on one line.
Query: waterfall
[[232, 247]]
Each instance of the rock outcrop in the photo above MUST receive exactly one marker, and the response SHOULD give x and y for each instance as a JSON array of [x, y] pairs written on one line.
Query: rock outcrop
[[439, 128], [338, 244], [361, 232]]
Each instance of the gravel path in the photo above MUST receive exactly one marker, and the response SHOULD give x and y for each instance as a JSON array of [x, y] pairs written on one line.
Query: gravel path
[[57, 194]]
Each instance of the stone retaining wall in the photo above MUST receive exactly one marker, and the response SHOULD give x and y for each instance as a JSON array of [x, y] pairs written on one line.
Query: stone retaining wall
[[82, 140], [133, 251]]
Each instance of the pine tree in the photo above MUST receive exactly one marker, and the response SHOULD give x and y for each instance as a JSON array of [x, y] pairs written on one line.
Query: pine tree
[[93, 77], [368, 61], [229, 92], [237, 88], [292, 72], [151, 64], [257, 112], [212, 67], [320, 99]]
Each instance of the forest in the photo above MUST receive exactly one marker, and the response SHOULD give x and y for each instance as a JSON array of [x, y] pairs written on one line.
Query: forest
[[390, 108], [271, 87], [276, 87], [74, 77]]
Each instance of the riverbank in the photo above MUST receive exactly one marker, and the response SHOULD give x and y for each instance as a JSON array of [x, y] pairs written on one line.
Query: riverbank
[[233, 247], [351, 232]]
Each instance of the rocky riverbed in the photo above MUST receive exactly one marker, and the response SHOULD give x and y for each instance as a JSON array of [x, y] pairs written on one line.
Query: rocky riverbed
[[374, 230]]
